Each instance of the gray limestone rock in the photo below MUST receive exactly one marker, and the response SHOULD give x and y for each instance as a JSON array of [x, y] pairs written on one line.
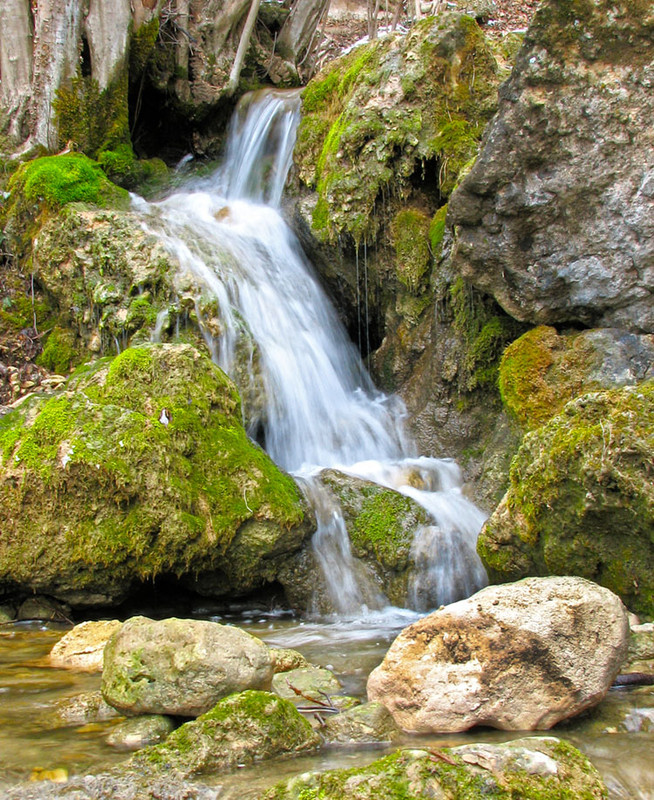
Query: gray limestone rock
[[556, 218]]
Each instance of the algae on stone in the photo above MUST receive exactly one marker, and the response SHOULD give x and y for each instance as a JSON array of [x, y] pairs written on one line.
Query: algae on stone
[[374, 116], [240, 729], [581, 498], [141, 468], [381, 524], [530, 768]]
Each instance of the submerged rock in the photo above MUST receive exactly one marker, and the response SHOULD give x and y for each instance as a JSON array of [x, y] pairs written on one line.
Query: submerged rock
[[141, 468], [556, 217], [89, 707], [139, 732], [240, 729], [106, 786], [530, 768], [517, 657], [83, 647], [367, 723], [181, 667], [581, 498]]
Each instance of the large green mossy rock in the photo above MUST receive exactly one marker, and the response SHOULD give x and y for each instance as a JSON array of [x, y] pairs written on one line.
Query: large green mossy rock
[[240, 729], [141, 468], [532, 769], [374, 117], [581, 499]]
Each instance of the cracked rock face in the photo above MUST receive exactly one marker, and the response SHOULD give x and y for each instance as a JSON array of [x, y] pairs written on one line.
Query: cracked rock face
[[521, 656], [556, 218]]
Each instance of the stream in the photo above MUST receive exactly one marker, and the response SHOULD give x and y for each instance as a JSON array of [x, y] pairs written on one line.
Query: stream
[[618, 737]]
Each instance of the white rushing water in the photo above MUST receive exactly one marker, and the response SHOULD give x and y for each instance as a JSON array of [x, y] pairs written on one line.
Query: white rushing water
[[275, 328]]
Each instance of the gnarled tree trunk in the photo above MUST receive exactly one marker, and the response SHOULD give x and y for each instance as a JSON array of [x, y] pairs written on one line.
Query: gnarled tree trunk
[[297, 34], [15, 64]]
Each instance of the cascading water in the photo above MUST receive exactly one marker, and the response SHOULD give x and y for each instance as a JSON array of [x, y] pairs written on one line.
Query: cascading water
[[319, 407]]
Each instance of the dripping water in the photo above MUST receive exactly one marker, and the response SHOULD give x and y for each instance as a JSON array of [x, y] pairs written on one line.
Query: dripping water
[[315, 402]]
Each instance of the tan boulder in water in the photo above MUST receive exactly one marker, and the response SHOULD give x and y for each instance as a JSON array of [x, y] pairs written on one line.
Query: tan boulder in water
[[181, 667], [520, 656], [82, 648]]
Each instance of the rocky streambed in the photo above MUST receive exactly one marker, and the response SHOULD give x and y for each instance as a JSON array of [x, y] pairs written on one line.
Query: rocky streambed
[[51, 730]]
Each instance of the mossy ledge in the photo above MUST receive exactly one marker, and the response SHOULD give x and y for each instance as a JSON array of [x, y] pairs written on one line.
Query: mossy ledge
[[365, 131], [141, 468]]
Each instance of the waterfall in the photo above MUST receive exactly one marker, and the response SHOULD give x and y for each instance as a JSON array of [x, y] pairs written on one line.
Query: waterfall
[[316, 406]]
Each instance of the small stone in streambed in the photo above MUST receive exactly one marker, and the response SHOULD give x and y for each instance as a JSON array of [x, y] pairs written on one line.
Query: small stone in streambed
[[139, 732]]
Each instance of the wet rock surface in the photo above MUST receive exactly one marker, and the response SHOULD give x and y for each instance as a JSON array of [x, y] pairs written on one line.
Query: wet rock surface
[[555, 219], [181, 667]]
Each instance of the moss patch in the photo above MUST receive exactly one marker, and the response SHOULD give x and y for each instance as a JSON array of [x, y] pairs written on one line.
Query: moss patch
[[410, 774], [45, 185], [483, 330], [410, 233], [581, 498]]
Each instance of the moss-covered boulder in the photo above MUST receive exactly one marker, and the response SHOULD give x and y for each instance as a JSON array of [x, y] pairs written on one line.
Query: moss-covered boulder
[[581, 498], [373, 118], [527, 768], [140, 468], [240, 729], [381, 524]]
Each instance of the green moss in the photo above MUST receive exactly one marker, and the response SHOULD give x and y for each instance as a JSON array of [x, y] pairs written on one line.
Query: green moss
[[142, 468], [381, 527], [541, 371], [437, 232], [411, 774], [410, 233], [141, 47], [60, 352], [239, 729], [49, 183], [484, 331], [94, 120], [19, 311]]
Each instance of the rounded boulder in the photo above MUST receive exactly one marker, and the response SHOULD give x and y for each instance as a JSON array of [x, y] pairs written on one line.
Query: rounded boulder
[[181, 667], [520, 656]]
